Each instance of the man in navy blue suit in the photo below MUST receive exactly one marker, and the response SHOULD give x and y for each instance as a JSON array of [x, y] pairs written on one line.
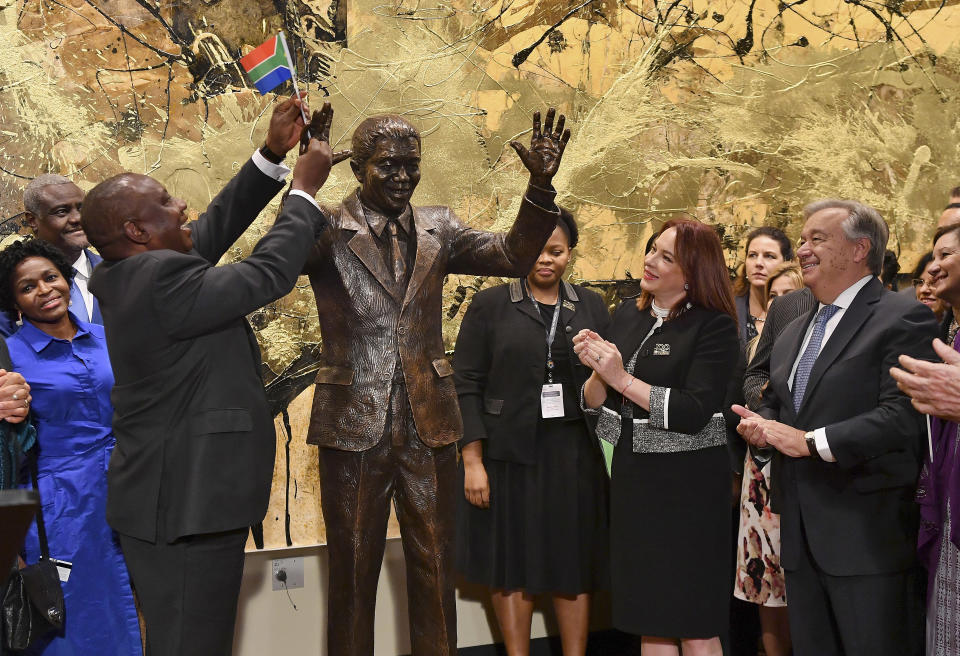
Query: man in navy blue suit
[[847, 443]]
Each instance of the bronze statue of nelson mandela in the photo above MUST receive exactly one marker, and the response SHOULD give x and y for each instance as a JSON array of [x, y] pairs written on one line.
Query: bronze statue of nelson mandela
[[385, 412]]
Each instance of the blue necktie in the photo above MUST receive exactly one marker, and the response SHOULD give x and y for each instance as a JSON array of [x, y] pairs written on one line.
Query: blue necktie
[[805, 366], [76, 299]]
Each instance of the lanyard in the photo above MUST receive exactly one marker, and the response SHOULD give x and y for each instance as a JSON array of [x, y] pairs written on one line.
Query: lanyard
[[550, 333]]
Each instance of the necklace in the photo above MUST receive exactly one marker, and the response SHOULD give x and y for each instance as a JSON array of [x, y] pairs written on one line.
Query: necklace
[[760, 316], [658, 311]]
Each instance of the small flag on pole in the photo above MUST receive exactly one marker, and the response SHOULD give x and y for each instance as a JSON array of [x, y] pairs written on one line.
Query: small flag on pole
[[269, 64]]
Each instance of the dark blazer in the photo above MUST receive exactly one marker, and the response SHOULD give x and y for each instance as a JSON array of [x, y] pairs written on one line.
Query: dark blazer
[[858, 513], [366, 324], [742, 303], [736, 445], [693, 355], [500, 363], [194, 435], [782, 311]]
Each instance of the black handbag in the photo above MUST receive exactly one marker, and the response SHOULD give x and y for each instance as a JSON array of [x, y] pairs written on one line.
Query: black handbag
[[33, 601]]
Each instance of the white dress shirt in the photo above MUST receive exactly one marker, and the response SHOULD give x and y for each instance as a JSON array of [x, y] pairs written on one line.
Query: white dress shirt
[[842, 301], [279, 172]]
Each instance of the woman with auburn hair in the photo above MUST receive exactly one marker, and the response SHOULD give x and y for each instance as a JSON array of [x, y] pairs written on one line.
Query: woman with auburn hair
[[662, 410]]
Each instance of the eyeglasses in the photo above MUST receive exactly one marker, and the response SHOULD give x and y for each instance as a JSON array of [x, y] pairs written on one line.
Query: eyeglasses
[[920, 282]]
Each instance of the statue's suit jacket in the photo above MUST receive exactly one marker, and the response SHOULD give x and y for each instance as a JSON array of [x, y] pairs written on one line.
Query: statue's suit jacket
[[366, 324], [195, 439], [858, 514]]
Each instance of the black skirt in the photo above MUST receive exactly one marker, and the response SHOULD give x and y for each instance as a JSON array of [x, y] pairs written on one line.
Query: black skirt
[[670, 542], [546, 528]]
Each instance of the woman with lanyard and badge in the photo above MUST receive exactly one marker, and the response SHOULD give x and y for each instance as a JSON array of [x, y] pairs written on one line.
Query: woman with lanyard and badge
[[533, 516], [658, 388]]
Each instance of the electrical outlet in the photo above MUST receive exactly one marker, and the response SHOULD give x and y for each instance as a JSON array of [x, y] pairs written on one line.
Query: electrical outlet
[[289, 571]]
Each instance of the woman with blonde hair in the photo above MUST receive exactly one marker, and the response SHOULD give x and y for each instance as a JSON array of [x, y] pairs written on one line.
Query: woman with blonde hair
[[785, 279]]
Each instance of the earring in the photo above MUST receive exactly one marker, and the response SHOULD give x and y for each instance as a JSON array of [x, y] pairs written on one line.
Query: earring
[[686, 286]]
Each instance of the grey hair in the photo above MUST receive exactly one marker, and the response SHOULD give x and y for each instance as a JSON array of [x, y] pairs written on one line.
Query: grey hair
[[371, 130], [32, 201], [862, 222]]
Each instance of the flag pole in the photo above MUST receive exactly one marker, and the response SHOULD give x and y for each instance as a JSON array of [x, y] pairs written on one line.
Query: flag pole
[[293, 78]]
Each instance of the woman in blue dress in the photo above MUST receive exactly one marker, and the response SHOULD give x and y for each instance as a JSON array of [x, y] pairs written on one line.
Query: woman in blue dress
[[65, 362]]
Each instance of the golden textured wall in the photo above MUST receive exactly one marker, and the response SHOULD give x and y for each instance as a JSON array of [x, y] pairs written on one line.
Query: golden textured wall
[[736, 113]]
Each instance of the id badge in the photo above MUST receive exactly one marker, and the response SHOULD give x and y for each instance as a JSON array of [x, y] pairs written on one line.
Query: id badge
[[63, 569], [551, 401]]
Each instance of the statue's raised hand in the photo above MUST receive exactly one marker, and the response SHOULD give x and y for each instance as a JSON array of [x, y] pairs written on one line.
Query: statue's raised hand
[[546, 148], [316, 158], [319, 128]]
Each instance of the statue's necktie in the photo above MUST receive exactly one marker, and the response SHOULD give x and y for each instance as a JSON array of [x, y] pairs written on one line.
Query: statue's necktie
[[399, 261], [805, 366]]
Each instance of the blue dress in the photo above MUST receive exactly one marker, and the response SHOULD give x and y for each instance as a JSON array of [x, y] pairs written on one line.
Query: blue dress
[[70, 382]]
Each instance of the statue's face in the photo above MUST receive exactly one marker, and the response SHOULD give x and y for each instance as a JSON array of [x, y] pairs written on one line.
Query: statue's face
[[388, 178]]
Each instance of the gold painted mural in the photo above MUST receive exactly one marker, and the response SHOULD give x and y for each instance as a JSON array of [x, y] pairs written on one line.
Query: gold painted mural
[[733, 112]]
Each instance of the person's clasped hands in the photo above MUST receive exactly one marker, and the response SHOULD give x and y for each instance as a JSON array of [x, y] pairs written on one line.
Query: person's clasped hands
[[602, 357], [14, 397], [761, 432]]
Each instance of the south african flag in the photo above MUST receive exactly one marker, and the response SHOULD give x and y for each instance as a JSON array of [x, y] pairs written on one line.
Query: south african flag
[[269, 65]]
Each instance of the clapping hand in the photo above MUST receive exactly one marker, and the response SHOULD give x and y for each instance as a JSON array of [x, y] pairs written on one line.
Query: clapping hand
[[546, 149], [762, 432], [933, 387], [601, 356], [750, 426]]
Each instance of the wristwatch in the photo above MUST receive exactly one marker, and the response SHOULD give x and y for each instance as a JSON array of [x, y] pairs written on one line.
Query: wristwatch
[[270, 155], [811, 440]]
